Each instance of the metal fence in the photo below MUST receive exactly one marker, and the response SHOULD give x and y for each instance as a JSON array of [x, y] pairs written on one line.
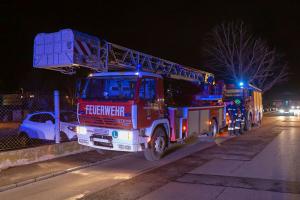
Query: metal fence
[[28, 120]]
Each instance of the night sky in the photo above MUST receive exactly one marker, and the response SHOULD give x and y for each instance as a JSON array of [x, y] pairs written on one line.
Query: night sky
[[173, 31]]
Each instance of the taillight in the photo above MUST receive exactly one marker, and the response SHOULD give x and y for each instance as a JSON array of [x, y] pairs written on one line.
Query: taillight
[[184, 128]]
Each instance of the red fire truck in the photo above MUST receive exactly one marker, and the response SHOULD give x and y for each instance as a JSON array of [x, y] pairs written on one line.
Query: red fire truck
[[133, 101]]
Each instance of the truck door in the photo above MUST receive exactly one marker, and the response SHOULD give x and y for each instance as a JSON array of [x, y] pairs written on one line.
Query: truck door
[[148, 108]]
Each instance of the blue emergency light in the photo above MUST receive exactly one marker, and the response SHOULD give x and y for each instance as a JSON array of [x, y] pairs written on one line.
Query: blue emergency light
[[241, 84]]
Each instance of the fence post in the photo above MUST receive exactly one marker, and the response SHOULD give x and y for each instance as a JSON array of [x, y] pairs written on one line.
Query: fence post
[[57, 117]]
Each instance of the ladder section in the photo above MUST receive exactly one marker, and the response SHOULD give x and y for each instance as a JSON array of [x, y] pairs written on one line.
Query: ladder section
[[67, 50], [118, 58]]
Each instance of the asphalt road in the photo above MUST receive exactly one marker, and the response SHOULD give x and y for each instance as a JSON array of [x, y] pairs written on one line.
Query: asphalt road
[[262, 164]]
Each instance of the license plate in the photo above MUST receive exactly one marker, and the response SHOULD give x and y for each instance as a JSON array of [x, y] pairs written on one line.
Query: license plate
[[101, 140], [101, 131]]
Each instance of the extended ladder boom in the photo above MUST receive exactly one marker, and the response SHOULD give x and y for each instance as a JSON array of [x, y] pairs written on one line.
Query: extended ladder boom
[[66, 50]]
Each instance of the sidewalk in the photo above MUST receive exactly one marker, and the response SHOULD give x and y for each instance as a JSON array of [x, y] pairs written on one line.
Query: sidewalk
[[21, 175]]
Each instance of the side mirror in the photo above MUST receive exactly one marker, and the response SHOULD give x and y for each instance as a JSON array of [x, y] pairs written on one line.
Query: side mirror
[[80, 84], [78, 88]]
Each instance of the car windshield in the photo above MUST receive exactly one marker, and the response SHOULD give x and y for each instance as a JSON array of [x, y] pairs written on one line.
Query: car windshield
[[109, 88]]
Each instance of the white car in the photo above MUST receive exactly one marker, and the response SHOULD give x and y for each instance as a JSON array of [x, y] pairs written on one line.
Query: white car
[[40, 125]]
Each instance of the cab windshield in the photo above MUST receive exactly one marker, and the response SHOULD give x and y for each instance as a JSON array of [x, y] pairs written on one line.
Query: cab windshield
[[109, 88]]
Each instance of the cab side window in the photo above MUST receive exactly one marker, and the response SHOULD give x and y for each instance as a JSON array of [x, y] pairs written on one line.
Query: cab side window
[[147, 89]]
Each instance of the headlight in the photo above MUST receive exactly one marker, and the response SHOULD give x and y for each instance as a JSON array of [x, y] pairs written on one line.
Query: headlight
[[298, 107], [281, 111], [72, 128], [81, 130], [293, 107], [125, 135]]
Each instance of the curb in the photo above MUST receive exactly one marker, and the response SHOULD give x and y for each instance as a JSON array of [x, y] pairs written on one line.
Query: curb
[[54, 174], [19, 157]]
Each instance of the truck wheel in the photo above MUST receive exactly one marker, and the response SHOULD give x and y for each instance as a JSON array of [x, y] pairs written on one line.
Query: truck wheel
[[157, 145], [214, 128], [248, 124]]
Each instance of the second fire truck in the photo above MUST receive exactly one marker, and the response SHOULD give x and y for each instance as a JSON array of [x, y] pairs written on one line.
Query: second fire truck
[[133, 101], [244, 107]]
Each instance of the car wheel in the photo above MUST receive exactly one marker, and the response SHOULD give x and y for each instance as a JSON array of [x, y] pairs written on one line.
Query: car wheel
[[24, 139], [63, 137], [157, 145]]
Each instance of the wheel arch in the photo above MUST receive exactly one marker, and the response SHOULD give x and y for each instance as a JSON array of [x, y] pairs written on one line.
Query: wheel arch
[[21, 133], [164, 123]]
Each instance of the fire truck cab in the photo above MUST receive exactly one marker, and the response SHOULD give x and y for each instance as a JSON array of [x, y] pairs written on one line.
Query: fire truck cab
[[128, 106]]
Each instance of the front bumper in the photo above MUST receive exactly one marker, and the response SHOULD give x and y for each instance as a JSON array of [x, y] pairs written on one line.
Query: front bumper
[[112, 139]]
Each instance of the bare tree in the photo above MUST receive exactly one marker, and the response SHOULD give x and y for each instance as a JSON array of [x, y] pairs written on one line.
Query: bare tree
[[233, 51]]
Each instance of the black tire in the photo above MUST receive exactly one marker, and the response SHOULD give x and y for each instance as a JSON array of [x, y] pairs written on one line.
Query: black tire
[[157, 145], [24, 139], [214, 130], [63, 137]]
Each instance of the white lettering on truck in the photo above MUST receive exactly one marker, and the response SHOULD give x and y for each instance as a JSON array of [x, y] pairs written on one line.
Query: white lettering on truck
[[105, 110]]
